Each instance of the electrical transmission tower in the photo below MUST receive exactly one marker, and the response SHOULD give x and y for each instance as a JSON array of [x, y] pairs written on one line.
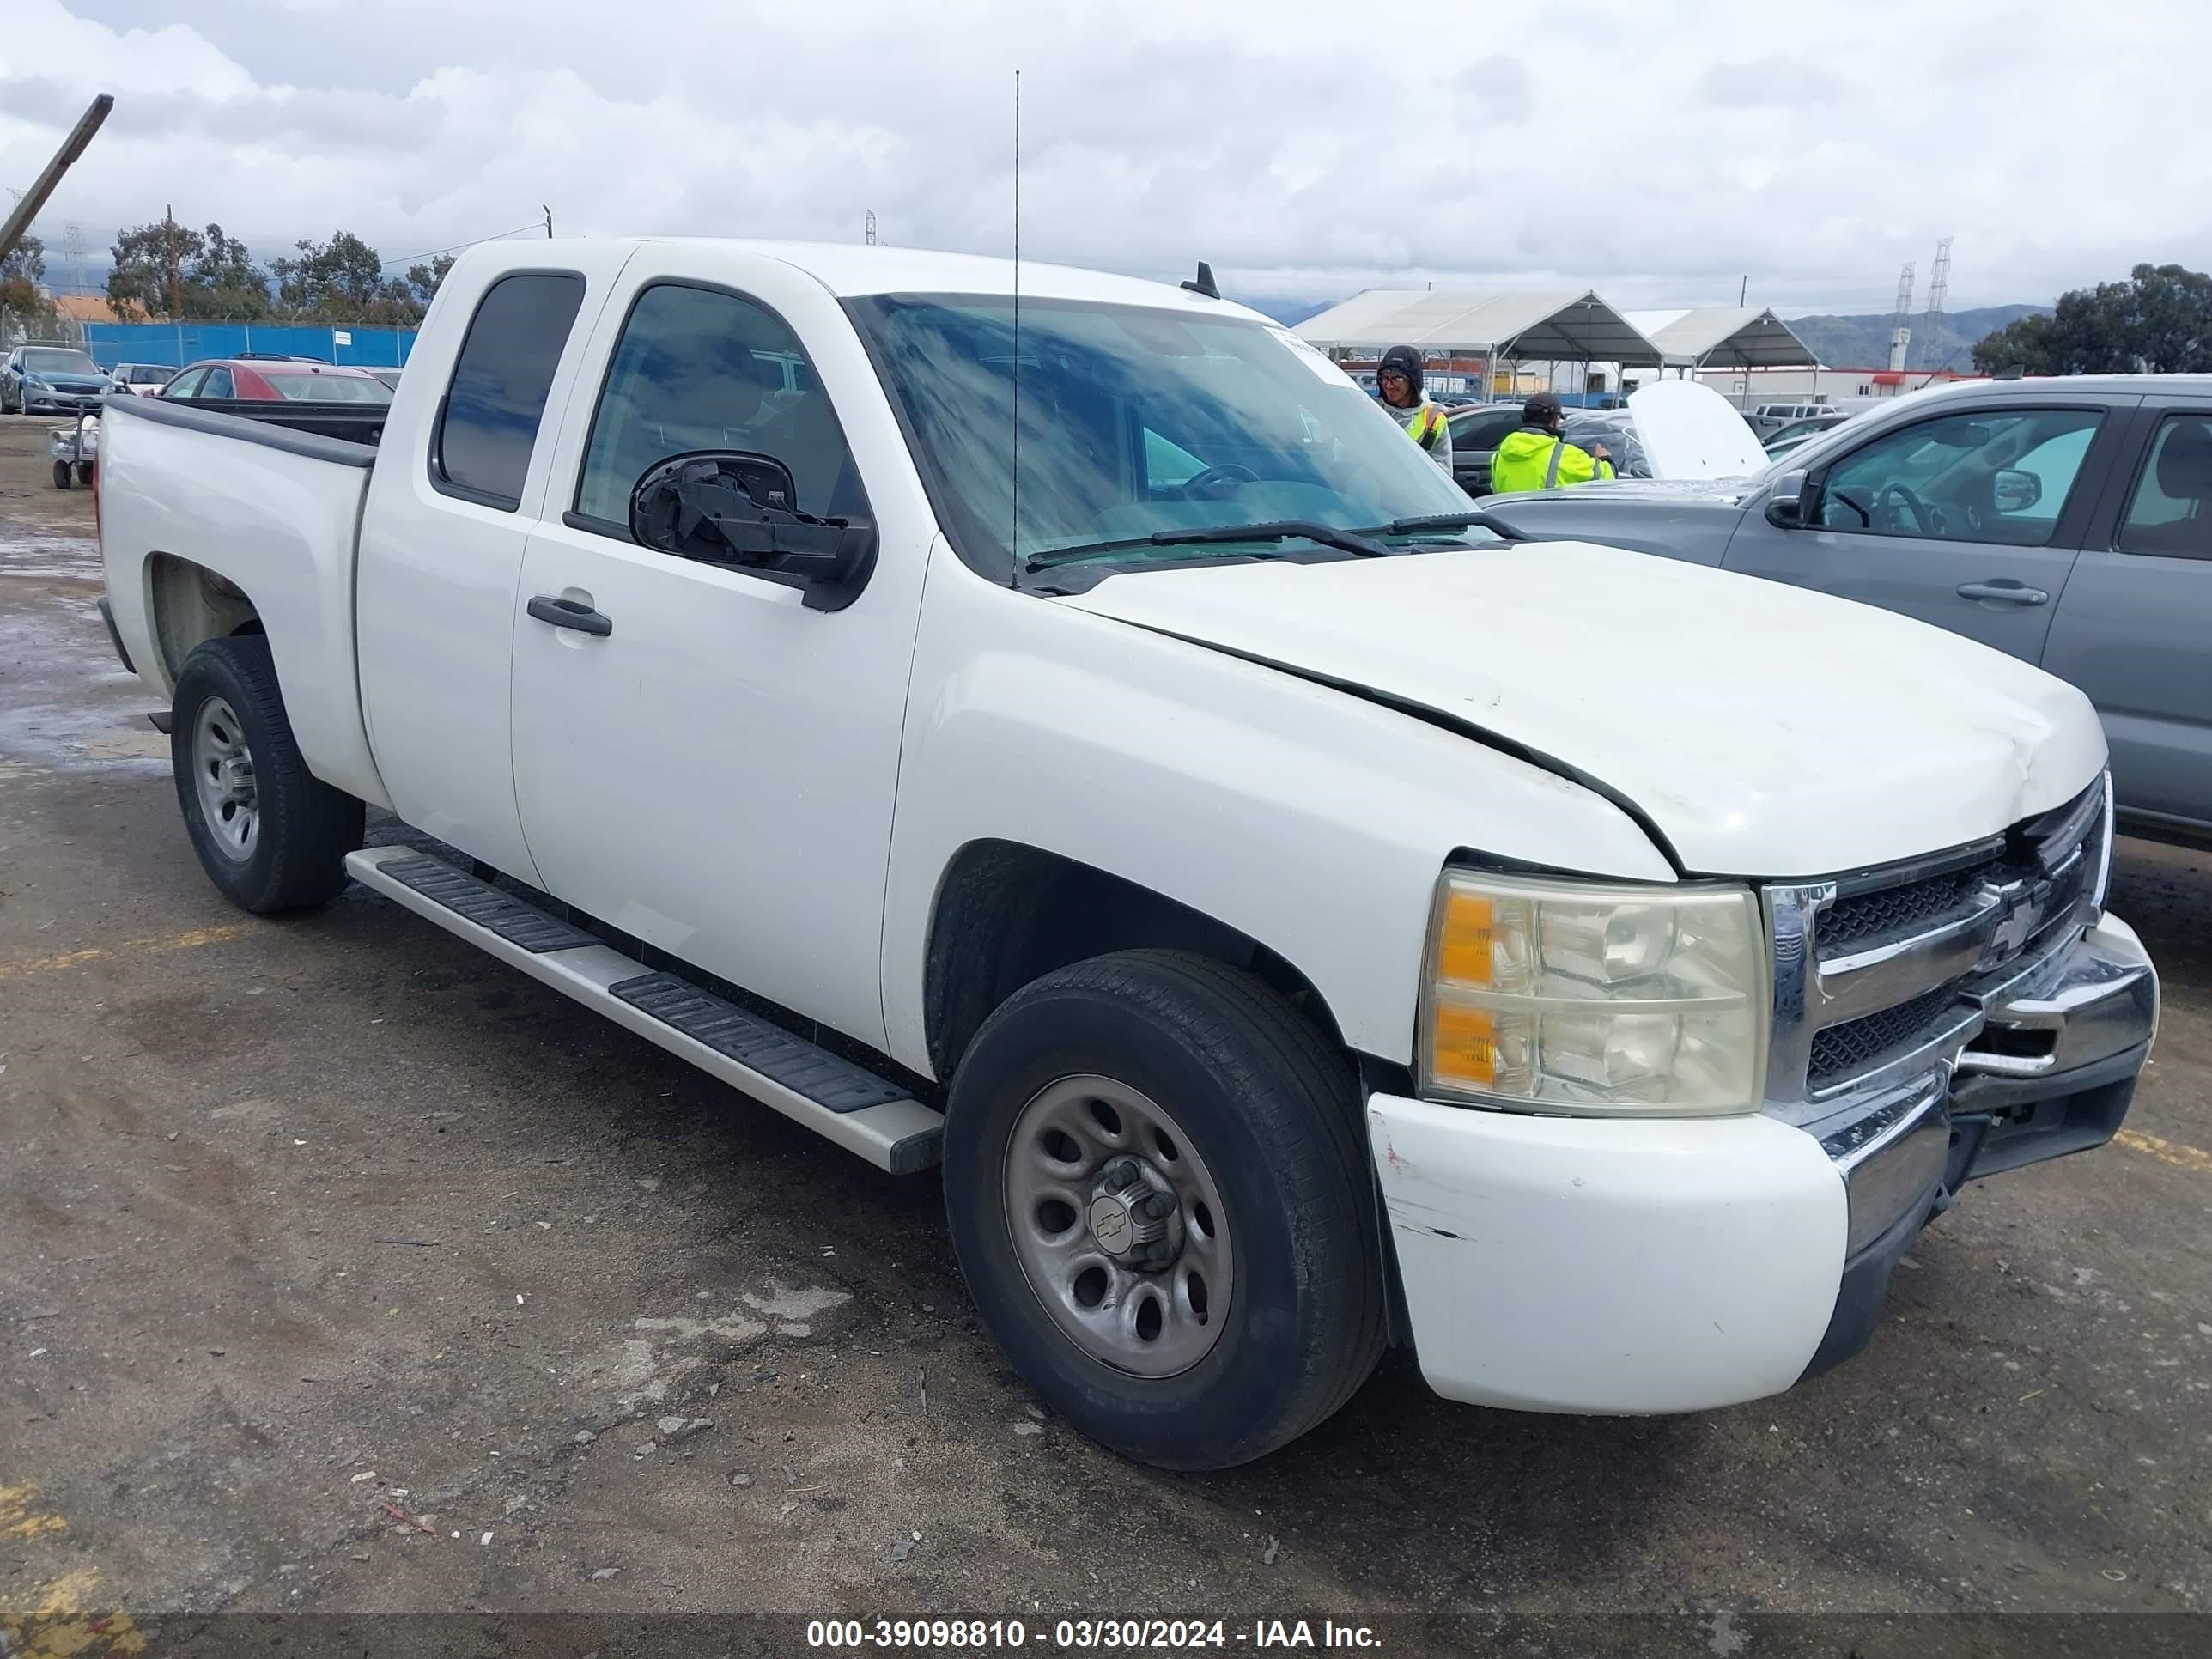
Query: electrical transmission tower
[[1939, 282], [73, 254], [871, 228], [1900, 325]]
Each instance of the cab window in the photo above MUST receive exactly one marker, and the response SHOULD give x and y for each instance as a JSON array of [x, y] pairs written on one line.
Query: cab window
[[489, 425], [698, 369], [2000, 476]]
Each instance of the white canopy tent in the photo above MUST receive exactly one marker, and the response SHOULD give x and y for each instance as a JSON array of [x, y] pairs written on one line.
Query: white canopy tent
[[1525, 325], [1724, 336]]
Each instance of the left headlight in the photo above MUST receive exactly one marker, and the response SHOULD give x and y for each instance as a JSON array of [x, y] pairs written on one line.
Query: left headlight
[[1555, 995]]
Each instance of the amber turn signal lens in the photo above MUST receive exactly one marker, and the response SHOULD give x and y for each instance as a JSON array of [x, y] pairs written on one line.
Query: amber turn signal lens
[[1466, 1049], [1463, 944]]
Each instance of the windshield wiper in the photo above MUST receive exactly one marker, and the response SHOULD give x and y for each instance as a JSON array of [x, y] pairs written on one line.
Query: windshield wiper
[[1472, 519], [1273, 529]]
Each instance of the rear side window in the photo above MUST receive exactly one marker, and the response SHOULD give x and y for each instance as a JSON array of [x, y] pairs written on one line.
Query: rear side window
[[489, 425], [2172, 512]]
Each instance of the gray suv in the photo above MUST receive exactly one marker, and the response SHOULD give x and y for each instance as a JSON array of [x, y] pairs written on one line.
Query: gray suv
[[2066, 521]]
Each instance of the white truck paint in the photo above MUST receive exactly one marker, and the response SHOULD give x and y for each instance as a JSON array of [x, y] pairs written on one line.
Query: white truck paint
[[891, 797]]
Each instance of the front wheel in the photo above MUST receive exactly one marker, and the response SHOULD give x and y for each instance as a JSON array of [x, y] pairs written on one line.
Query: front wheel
[[1160, 1200], [269, 834], [61, 475]]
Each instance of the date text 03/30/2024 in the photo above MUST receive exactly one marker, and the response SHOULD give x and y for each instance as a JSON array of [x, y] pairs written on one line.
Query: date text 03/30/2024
[[1086, 1634]]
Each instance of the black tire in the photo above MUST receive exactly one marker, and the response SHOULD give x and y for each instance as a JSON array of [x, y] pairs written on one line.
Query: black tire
[[61, 475], [84, 474], [1272, 1107], [306, 827]]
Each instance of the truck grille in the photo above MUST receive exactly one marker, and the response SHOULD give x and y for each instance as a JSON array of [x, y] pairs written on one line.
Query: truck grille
[[1893, 909], [1883, 967], [1858, 1046]]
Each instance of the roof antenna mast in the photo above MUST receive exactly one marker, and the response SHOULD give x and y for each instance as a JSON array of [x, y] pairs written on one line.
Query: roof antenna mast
[[1015, 546]]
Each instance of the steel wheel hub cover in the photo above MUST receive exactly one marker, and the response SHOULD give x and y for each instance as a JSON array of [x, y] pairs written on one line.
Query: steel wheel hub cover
[[1118, 1226]]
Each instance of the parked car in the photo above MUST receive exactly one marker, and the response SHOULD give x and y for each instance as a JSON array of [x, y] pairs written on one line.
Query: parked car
[[256, 379], [1475, 434], [45, 379], [1767, 419], [1798, 431], [2066, 522], [1279, 946], [140, 379]]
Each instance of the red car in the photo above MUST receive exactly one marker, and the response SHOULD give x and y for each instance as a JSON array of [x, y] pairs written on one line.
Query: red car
[[272, 379]]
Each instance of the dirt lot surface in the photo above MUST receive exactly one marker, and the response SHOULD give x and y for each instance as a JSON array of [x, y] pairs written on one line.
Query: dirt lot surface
[[342, 1269]]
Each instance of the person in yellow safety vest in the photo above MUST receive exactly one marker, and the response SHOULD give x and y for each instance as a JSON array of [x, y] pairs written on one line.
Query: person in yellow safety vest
[[1400, 382], [1537, 456]]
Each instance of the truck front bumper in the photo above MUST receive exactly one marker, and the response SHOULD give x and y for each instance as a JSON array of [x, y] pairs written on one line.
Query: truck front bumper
[[1625, 1265]]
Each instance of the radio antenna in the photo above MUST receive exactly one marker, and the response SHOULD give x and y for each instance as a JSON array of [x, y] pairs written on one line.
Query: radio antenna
[[1013, 575]]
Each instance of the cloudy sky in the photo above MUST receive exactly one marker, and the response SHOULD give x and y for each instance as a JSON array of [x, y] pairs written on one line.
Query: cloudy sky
[[1659, 149]]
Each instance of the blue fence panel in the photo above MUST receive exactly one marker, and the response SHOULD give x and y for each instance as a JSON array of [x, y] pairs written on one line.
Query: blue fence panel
[[179, 343]]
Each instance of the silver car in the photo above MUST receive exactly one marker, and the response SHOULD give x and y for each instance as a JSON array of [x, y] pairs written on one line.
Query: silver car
[[2067, 522]]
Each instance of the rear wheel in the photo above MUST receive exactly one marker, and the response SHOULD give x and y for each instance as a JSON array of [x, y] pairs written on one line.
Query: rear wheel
[[269, 834], [1163, 1207]]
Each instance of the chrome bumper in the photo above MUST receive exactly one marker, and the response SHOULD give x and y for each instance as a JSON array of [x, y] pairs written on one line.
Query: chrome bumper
[[2048, 1070]]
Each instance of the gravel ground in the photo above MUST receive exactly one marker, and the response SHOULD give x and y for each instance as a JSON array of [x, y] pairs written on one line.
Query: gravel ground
[[343, 1270]]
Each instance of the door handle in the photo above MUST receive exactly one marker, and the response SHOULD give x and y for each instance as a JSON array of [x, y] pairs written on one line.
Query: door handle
[[568, 613], [2009, 592]]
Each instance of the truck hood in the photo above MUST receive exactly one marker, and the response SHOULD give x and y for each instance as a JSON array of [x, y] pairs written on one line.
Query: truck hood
[[1761, 730]]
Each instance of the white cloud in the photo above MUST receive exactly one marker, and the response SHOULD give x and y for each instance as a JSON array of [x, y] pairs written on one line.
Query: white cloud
[[1659, 151]]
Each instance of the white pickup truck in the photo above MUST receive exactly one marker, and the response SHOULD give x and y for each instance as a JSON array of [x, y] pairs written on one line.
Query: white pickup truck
[[1298, 915]]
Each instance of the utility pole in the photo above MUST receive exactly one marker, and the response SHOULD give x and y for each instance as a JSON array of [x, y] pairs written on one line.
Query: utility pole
[[169, 243], [549, 223], [1743, 293]]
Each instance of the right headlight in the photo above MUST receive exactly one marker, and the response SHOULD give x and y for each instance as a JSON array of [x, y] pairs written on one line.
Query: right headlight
[[1557, 995]]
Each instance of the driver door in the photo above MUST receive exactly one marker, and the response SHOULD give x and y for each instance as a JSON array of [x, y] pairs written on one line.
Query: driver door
[[1969, 520]]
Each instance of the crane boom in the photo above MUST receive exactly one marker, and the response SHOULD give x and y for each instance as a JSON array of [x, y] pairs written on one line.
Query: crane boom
[[35, 197]]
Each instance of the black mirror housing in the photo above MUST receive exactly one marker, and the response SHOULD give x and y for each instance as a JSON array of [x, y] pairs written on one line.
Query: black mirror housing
[[738, 509]]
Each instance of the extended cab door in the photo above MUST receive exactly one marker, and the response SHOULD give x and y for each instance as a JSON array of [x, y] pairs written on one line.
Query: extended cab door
[[1969, 519], [710, 765], [2134, 630], [460, 478]]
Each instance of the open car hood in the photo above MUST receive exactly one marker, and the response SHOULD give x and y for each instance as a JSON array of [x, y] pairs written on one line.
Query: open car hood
[[1762, 730], [1690, 431]]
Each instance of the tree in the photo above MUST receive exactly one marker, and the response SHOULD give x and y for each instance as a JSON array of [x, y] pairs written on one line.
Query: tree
[[165, 268], [2158, 322], [20, 273], [340, 281], [224, 281], [422, 280], [143, 260]]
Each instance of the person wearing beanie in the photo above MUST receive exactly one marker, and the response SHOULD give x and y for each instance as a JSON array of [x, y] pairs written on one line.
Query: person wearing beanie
[[1538, 455], [1402, 385]]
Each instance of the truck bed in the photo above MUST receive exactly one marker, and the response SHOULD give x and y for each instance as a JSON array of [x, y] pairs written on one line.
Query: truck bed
[[214, 522]]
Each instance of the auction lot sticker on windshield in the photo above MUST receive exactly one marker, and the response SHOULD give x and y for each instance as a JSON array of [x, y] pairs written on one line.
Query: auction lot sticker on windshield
[[1313, 359]]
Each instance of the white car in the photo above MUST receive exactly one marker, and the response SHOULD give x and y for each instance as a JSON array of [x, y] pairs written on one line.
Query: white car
[[141, 380], [1298, 919]]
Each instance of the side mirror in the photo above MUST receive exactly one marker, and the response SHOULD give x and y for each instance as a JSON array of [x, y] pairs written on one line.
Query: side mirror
[[2013, 490], [1788, 501], [734, 508]]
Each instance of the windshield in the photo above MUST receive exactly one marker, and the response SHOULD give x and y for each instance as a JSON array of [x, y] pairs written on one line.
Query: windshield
[[314, 388], [58, 362], [145, 374], [1135, 422]]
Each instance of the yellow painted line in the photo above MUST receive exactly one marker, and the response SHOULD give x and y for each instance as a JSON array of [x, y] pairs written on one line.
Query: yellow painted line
[[2167, 1152], [136, 947], [59, 1619], [16, 1520]]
